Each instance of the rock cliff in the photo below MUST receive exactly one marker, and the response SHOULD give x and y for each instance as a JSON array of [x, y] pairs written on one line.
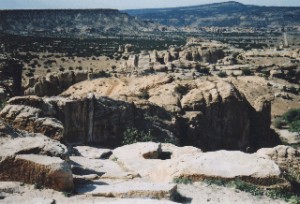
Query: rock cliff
[[210, 114], [55, 23]]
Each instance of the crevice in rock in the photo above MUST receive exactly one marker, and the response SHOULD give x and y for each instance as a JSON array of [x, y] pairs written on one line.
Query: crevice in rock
[[80, 171]]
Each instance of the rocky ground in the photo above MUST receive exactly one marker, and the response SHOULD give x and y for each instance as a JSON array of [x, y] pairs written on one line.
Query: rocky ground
[[142, 172], [84, 136]]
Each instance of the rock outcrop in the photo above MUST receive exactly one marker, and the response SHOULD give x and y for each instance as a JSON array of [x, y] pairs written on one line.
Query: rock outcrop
[[30, 118], [34, 159], [210, 114], [36, 144], [287, 158], [193, 55], [71, 22], [132, 190], [55, 83], [50, 172], [166, 162]]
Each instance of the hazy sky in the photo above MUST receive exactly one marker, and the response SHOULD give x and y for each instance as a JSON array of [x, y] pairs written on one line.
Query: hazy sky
[[126, 4]]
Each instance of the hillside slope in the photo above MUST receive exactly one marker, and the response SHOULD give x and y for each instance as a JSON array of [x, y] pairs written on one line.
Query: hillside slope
[[222, 15], [90, 22]]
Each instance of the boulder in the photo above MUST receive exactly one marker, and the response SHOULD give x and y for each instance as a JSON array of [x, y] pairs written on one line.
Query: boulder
[[286, 157], [106, 169], [224, 165], [140, 200], [131, 189], [50, 172], [138, 157], [37, 144], [92, 152], [166, 162]]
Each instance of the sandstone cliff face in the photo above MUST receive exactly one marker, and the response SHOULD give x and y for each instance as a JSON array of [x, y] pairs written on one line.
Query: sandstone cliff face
[[210, 114], [24, 114], [54, 83], [75, 121], [219, 115], [92, 23], [192, 55]]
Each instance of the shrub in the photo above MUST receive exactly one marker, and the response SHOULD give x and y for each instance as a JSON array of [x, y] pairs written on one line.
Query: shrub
[[67, 194], [2, 104], [295, 127], [222, 74], [204, 70], [144, 94], [246, 187], [183, 180], [246, 71], [182, 89], [38, 186], [256, 190], [133, 135], [279, 122], [292, 115]]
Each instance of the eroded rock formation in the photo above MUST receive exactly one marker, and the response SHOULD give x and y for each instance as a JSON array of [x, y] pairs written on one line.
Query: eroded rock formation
[[211, 114]]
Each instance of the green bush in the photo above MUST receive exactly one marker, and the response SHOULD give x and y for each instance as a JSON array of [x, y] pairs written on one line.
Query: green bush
[[295, 127], [144, 94], [292, 115], [182, 89], [204, 70], [222, 74], [133, 135], [183, 180], [246, 187], [256, 190], [279, 122], [246, 71]]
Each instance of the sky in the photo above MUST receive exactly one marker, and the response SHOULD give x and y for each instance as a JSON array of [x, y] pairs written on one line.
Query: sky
[[126, 4]]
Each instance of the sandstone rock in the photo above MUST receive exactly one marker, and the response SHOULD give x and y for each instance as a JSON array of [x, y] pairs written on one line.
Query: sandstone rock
[[107, 169], [223, 165], [45, 171], [211, 114], [78, 126], [128, 48], [132, 61], [167, 100], [54, 83], [287, 158], [93, 153], [31, 118], [138, 157], [8, 132], [221, 112], [165, 162], [37, 144], [131, 190], [138, 201]]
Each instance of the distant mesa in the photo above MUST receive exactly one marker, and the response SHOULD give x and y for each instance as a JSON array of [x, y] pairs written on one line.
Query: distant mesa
[[226, 14]]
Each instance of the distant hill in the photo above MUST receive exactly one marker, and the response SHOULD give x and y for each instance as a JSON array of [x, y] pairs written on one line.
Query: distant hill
[[88, 22], [227, 14]]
